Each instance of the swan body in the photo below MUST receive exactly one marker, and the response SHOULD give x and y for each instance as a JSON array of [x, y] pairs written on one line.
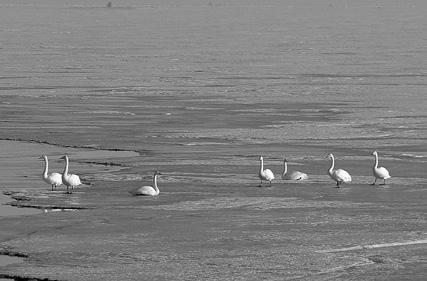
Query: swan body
[[381, 172], [266, 175], [54, 179], [70, 180], [338, 175], [292, 175], [148, 190]]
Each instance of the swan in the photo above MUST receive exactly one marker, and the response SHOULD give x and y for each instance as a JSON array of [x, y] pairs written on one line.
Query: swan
[[54, 179], [266, 174], [148, 190], [70, 180], [339, 175], [292, 175], [381, 172]]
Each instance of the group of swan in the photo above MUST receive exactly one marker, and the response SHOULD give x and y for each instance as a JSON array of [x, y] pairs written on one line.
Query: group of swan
[[268, 175], [56, 179], [338, 175], [71, 180]]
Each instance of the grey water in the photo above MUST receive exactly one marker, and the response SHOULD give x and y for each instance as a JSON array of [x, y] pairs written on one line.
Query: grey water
[[198, 89], [362, 60], [6, 260], [216, 83], [10, 211]]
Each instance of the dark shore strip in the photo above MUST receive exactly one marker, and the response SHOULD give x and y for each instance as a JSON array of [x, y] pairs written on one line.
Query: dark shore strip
[[24, 278], [22, 201], [7, 252], [19, 204], [71, 146], [106, 163]]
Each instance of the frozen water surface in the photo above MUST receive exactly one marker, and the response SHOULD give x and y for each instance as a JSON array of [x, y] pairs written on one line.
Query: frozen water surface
[[198, 90]]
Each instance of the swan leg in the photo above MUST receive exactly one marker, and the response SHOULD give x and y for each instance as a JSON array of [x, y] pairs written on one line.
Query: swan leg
[[270, 183], [52, 186], [384, 182], [260, 184], [374, 181], [338, 184]]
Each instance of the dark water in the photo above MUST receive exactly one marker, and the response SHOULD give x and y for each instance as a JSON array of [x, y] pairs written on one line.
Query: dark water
[[218, 70], [225, 80], [198, 90]]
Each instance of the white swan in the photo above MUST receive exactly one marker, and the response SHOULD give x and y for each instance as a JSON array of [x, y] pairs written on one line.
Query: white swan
[[339, 175], [54, 179], [69, 180], [292, 175], [381, 172], [148, 190], [267, 174]]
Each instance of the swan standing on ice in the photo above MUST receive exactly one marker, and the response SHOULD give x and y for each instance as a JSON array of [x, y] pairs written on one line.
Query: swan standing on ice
[[69, 180], [267, 174], [381, 172], [54, 179], [148, 190], [292, 175], [339, 175]]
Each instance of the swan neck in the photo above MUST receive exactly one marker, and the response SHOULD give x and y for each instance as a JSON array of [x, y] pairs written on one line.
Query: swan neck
[[285, 167], [155, 184], [46, 167], [332, 164], [261, 168], [66, 166], [376, 161]]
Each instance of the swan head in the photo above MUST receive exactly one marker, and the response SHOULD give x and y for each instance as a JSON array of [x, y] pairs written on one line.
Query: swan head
[[260, 158], [285, 160], [65, 157], [157, 173], [375, 153], [330, 156], [43, 157]]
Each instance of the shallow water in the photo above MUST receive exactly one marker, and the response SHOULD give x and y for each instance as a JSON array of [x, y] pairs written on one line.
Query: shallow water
[[6, 260], [198, 90], [9, 211]]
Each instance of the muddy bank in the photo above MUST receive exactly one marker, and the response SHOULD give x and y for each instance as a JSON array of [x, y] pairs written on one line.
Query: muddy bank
[[211, 219], [206, 224], [190, 233]]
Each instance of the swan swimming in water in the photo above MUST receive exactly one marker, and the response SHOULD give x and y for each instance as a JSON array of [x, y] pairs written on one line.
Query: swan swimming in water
[[267, 174], [70, 180], [381, 172], [54, 179], [292, 175], [148, 190], [339, 175]]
